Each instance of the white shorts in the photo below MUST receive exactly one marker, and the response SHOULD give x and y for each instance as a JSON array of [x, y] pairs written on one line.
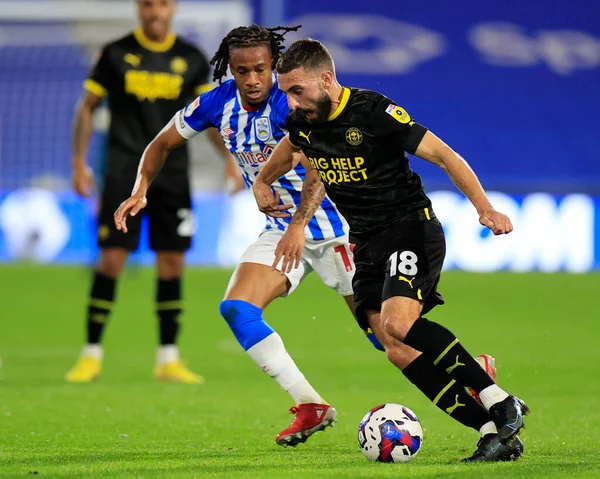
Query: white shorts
[[330, 259]]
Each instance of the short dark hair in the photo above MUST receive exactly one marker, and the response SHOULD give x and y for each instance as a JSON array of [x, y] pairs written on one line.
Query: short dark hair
[[246, 37], [307, 53]]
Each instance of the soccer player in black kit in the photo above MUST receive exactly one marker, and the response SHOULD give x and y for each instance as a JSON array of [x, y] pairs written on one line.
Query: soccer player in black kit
[[146, 76], [355, 142]]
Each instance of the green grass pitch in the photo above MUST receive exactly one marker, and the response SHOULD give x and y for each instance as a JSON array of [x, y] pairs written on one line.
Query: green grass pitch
[[542, 329]]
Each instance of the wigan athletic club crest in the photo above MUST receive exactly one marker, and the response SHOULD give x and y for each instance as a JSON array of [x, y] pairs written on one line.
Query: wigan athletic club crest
[[262, 128]]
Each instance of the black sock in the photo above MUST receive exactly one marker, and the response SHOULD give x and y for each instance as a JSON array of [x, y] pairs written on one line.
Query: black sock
[[102, 296], [168, 308], [447, 353], [446, 393]]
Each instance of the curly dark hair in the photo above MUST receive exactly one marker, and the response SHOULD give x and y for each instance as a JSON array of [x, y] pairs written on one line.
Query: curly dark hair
[[245, 37]]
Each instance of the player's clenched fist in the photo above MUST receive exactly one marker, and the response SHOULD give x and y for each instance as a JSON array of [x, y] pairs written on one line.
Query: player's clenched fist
[[129, 207], [83, 180], [268, 202], [497, 222]]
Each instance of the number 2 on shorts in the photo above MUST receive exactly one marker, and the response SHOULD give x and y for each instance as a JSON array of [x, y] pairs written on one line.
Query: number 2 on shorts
[[403, 263]]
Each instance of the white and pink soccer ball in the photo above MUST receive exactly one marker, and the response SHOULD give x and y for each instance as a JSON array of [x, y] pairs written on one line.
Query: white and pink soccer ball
[[390, 433]]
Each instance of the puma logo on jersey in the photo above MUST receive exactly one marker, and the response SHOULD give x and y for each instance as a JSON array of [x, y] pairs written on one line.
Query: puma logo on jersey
[[133, 60], [304, 135], [406, 280], [453, 367], [451, 409]]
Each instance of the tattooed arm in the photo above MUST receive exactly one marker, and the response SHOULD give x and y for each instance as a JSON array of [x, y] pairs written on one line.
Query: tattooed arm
[[291, 245], [313, 192], [82, 176]]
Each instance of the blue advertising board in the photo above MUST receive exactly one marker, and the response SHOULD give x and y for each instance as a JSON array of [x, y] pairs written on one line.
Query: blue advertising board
[[552, 233]]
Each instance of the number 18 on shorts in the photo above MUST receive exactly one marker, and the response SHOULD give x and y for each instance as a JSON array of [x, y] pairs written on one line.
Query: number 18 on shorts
[[414, 265]]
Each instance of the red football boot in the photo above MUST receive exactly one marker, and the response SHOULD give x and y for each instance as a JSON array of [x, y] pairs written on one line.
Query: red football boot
[[488, 363], [310, 418]]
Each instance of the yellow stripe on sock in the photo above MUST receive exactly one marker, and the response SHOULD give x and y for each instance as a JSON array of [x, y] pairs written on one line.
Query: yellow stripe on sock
[[168, 305], [100, 303], [445, 351], [443, 391]]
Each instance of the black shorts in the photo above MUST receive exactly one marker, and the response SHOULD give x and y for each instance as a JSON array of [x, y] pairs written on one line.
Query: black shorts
[[405, 260], [169, 211]]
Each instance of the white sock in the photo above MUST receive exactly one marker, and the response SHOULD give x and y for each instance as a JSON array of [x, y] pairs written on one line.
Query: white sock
[[273, 359], [488, 428], [93, 350], [492, 395], [167, 354]]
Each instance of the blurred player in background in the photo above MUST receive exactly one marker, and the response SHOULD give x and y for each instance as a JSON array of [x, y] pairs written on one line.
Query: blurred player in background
[[250, 112], [356, 142], [146, 77]]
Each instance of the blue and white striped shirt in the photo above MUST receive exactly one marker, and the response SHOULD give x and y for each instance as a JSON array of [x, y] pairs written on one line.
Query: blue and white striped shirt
[[251, 136]]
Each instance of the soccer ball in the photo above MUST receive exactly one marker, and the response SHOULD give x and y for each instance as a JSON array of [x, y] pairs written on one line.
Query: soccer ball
[[390, 433]]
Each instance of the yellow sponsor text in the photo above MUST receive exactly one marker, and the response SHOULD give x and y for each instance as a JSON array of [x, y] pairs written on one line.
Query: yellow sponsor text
[[151, 86], [340, 170]]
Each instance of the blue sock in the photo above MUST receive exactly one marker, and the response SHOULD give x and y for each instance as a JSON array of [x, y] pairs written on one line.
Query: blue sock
[[246, 322], [371, 337]]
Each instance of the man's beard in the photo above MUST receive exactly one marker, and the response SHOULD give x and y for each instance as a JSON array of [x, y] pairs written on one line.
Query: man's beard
[[322, 109]]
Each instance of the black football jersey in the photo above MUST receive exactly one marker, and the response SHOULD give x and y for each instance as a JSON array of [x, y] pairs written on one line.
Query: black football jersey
[[146, 83], [360, 154]]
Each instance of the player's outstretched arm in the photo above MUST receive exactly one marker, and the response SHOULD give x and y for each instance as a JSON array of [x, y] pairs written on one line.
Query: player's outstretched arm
[[82, 175], [435, 151], [152, 161], [280, 162]]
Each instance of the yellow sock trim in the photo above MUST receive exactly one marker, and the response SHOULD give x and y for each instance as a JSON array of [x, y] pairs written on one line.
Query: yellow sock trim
[[100, 303], [445, 351], [168, 305], [443, 391]]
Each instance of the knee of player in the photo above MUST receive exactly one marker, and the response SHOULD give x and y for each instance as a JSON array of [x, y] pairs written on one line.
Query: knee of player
[[398, 326], [170, 265], [234, 311], [111, 263], [245, 321]]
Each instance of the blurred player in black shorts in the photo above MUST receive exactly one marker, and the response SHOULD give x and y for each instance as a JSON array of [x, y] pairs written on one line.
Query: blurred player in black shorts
[[355, 142], [146, 77]]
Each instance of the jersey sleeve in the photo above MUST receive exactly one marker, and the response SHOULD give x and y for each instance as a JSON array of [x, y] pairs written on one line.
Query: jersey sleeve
[[101, 79], [197, 116], [391, 119], [201, 80]]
